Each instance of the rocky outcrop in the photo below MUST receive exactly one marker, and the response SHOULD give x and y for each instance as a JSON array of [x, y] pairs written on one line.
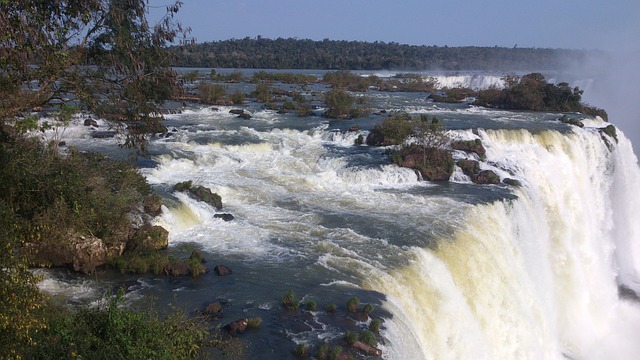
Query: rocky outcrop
[[225, 216], [512, 182], [236, 327], [152, 205], [82, 253], [200, 193], [90, 122], [366, 349], [433, 164], [149, 238], [473, 146], [471, 168], [214, 309], [177, 269]]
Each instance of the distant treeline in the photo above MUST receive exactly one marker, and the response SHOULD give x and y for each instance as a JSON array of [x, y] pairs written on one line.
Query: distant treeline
[[263, 53]]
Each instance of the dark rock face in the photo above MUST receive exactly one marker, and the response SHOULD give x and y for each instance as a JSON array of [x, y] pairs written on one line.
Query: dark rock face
[[471, 168], [200, 193], [236, 111], [474, 146], [236, 327], [245, 116], [225, 216], [90, 122], [375, 139], [222, 270]]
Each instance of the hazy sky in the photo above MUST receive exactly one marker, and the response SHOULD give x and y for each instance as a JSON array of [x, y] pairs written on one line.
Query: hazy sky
[[578, 24]]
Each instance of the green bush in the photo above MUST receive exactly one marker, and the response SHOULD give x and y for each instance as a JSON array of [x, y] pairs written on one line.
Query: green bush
[[301, 351], [352, 304], [211, 93], [339, 103], [311, 305], [331, 308], [350, 337], [375, 325], [368, 338], [115, 332]]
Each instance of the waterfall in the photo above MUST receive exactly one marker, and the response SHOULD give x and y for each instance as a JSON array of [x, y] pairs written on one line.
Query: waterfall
[[535, 277]]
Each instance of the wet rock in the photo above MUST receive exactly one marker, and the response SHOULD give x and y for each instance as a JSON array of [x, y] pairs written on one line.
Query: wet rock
[[486, 177], [90, 122], [366, 349], [222, 270], [236, 111], [107, 134], [225, 216], [245, 116], [474, 146], [236, 327], [177, 269], [200, 193], [214, 309], [469, 167], [512, 182]]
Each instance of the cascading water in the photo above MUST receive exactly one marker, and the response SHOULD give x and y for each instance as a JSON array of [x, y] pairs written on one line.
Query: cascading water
[[463, 271]]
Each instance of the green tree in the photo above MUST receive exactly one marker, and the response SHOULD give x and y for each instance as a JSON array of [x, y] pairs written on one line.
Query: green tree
[[102, 55], [339, 103]]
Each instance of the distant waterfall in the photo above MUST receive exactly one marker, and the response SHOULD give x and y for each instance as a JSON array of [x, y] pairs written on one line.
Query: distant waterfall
[[536, 277]]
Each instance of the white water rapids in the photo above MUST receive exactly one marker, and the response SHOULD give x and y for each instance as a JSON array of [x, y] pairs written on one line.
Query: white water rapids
[[532, 276]]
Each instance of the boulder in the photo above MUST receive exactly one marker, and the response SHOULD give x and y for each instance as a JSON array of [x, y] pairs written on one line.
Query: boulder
[[225, 216], [236, 111], [222, 270], [433, 164], [474, 146], [177, 269], [366, 349], [90, 122], [214, 309], [82, 253], [200, 193], [469, 167], [149, 237], [152, 205], [107, 134], [512, 182], [236, 327], [245, 116], [486, 177]]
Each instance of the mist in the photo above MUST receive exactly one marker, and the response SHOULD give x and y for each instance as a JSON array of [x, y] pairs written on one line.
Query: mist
[[616, 88]]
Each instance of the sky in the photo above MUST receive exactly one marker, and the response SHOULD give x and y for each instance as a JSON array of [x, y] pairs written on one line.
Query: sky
[[610, 25]]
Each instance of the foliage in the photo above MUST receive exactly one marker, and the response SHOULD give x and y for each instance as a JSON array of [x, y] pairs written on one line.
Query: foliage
[[352, 304], [311, 305], [211, 93], [254, 323], [53, 196], [289, 301], [339, 104], [129, 75], [392, 131], [374, 325], [20, 315], [291, 53], [350, 337], [285, 78], [368, 338], [368, 309], [301, 351], [114, 332], [237, 98], [262, 93], [532, 92], [331, 308]]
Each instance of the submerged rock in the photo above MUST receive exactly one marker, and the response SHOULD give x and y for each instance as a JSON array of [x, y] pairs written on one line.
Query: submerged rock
[[222, 270], [200, 193], [225, 216], [236, 327]]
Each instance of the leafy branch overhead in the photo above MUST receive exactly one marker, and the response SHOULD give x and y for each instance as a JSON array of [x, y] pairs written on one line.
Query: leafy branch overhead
[[99, 55]]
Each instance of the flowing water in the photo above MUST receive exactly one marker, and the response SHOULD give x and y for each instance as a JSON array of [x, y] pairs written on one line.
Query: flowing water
[[456, 270]]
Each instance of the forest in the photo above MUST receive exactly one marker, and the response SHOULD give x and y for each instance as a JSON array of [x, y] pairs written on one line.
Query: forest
[[292, 53]]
